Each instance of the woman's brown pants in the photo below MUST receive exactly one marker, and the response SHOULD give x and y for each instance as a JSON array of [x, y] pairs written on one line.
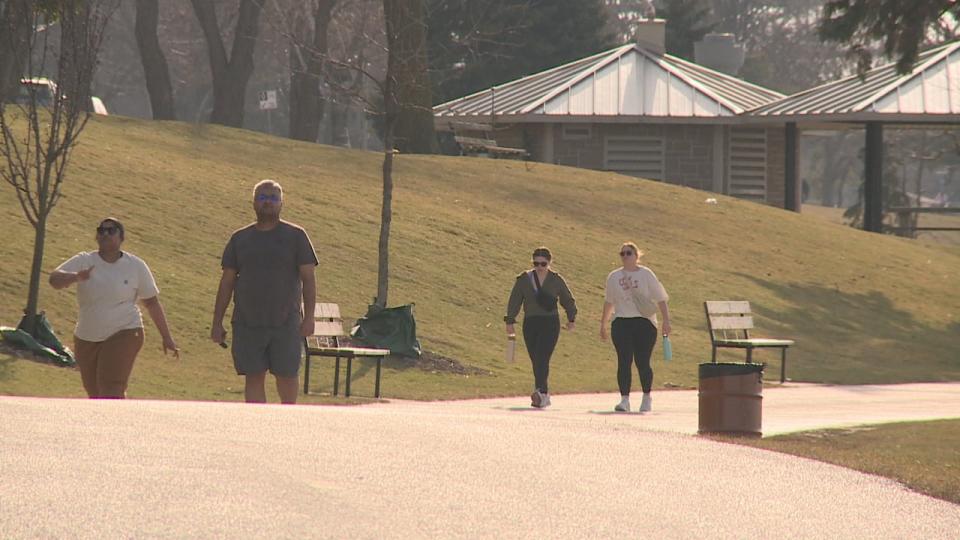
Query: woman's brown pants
[[105, 366]]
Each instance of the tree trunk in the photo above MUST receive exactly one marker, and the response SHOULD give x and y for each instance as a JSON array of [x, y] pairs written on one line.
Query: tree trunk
[[407, 71], [230, 75], [155, 70], [307, 61], [33, 293], [386, 215]]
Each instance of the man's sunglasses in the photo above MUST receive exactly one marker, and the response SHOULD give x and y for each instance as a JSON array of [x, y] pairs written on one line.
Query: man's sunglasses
[[538, 263], [272, 197], [107, 230], [626, 253]]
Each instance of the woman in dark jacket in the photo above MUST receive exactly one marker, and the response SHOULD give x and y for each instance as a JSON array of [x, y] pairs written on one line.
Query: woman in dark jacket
[[538, 291]]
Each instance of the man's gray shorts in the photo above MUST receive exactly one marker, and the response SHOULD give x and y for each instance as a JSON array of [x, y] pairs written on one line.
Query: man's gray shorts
[[275, 348]]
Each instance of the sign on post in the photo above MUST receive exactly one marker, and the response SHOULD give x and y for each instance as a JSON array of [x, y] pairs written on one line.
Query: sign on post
[[268, 100]]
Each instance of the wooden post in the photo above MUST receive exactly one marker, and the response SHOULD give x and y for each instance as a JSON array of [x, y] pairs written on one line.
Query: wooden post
[[873, 178], [791, 199]]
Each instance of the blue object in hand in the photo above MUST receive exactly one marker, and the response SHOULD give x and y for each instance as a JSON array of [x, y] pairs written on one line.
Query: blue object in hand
[[667, 349]]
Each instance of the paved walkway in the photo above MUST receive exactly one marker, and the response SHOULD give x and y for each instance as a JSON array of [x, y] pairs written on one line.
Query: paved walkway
[[788, 408], [469, 469]]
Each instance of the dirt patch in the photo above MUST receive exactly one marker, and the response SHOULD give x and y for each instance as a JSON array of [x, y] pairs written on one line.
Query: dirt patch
[[434, 363], [429, 361]]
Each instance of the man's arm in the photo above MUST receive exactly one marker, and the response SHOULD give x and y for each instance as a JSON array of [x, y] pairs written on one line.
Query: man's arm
[[309, 282], [224, 292]]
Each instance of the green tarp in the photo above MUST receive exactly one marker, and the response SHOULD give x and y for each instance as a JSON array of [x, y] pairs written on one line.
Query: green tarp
[[43, 342], [389, 328]]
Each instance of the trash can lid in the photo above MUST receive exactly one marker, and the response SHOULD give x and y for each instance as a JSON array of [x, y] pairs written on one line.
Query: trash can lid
[[710, 369]]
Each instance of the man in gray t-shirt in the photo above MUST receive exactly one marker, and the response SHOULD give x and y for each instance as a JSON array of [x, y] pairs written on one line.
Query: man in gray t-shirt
[[267, 268]]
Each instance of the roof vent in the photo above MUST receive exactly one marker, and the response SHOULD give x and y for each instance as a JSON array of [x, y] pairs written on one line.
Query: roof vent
[[649, 34]]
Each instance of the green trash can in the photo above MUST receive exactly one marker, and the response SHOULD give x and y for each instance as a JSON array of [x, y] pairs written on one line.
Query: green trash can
[[731, 399]]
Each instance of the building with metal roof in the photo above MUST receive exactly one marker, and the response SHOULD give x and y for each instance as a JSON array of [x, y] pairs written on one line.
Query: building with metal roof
[[636, 111], [629, 81], [927, 96]]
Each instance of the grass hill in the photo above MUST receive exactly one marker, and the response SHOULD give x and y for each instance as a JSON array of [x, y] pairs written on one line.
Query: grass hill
[[863, 308]]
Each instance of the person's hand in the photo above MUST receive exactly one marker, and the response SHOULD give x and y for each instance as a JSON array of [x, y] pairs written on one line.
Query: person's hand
[[665, 328], [84, 275], [570, 325], [217, 333], [603, 332], [170, 345], [511, 330], [307, 327]]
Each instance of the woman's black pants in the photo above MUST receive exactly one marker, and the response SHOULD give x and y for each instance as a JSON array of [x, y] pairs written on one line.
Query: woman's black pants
[[634, 338], [541, 335]]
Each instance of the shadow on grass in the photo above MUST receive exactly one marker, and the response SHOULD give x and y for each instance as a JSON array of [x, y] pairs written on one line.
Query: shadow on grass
[[858, 327]]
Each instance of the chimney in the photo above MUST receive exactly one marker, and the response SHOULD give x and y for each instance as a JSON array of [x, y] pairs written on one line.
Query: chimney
[[649, 34], [719, 52]]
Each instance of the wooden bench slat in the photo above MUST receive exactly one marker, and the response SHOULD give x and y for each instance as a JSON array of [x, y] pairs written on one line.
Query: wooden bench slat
[[347, 351], [755, 342], [722, 307], [326, 311], [731, 323], [328, 328]]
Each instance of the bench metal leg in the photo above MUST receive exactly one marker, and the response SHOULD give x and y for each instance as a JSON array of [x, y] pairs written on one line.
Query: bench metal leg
[[336, 378], [783, 365], [714, 357], [349, 369], [376, 392], [306, 375], [749, 355]]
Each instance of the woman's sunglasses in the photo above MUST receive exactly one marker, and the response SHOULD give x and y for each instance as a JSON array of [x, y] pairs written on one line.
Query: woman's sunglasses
[[626, 253], [539, 263], [107, 230]]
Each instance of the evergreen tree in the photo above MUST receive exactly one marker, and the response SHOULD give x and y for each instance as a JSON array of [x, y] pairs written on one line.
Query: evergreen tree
[[901, 25], [475, 44], [687, 22]]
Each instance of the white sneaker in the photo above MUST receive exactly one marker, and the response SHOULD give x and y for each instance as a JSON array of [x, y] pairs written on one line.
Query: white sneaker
[[536, 399], [646, 404], [544, 401], [624, 405]]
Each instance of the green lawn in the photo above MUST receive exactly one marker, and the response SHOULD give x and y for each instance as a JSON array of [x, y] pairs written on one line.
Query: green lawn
[[863, 308], [924, 456]]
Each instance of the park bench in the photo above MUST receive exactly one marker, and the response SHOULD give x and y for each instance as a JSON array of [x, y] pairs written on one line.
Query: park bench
[[325, 342], [730, 323], [475, 139]]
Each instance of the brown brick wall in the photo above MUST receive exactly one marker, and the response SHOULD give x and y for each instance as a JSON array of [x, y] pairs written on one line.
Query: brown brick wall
[[776, 167], [688, 159], [688, 152]]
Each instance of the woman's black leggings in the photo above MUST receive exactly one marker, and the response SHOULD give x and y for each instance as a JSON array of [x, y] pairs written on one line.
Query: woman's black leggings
[[634, 339], [541, 335]]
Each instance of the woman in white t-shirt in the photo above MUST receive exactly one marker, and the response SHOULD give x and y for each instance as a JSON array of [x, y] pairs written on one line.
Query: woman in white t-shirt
[[109, 331], [633, 296]]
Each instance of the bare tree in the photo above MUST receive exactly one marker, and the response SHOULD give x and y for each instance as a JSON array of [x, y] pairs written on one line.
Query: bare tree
[[155, 71], [306, 69], [38, 135], [230, 74]]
